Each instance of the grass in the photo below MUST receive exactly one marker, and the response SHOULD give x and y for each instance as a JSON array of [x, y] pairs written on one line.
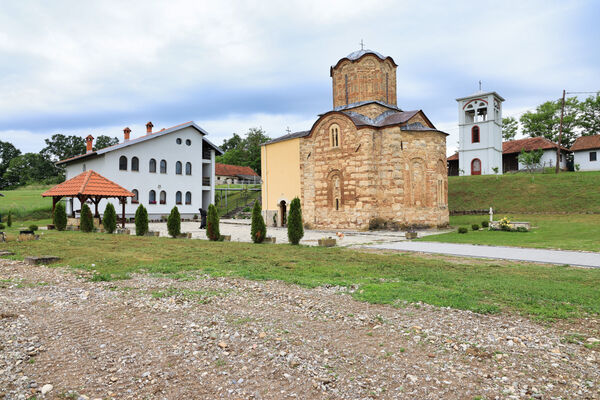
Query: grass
[[235, 200], [26, 203], [575, 192], [544, 292], [567, 232]]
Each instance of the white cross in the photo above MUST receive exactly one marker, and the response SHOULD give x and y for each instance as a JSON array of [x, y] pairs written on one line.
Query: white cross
[[491, 214]]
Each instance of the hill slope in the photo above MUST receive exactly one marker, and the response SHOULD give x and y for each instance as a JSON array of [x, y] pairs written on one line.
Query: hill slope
[[26, 203], [568, 192]]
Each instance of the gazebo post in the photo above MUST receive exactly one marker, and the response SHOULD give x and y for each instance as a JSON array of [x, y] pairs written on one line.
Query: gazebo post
[[54, 201], [72, 208], [123, 213], [96, 200]]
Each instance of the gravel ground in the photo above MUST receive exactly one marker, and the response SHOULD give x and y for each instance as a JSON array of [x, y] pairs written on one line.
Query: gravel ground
[[208, 338]]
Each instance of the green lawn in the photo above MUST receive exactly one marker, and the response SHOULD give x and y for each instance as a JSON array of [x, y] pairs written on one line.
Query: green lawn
[[561, 231], [572, 192], [26, 203], [544, 292], [234, 200]]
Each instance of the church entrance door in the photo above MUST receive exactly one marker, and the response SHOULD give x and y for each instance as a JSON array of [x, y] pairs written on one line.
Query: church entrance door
[[476, 166]]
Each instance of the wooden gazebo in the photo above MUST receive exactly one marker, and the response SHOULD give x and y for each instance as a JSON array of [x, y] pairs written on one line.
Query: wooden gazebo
[[89, 185]]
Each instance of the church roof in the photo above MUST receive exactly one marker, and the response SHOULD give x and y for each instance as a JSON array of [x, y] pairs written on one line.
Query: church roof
[[357, 55], [289, 136], [362, 103]]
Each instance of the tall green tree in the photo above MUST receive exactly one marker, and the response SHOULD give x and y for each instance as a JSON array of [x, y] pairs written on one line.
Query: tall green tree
[[589, 118], [141, 221], [59, 219], [244, 151], [294, 222], [7, 153], [104, 141], [86, 220], [258, 231], [174, 222], [212, 223], [545, 121], [60, 146], [30, 168], [510, 127], [109, 220]]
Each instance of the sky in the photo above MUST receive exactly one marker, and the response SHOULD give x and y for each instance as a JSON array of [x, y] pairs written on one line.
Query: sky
[[79, 68]]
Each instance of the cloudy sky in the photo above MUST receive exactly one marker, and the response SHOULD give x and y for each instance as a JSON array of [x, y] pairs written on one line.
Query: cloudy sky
[[79, 67]]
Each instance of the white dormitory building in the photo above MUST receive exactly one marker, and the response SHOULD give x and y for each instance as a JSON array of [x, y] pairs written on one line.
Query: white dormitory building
[[166, 168], [586, 152]]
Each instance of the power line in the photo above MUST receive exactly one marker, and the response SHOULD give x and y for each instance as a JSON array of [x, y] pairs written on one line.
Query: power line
[[596, 92]]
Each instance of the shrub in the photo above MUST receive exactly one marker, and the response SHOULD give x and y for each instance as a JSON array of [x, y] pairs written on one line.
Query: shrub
[[110, 218], [505, 224], [2, 226], [86, 221], [522, 229], [485, 224], [141, 221], [174, 222], [212, 224], [33, 227], [246, 209], [376, 223], [60, 217], [9, 219], [294, 222], [475, 227], [259, 229], [462, 229], [195, 216]]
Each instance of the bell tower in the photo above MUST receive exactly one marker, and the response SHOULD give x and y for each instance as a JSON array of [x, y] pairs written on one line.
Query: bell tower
[[480, 133]]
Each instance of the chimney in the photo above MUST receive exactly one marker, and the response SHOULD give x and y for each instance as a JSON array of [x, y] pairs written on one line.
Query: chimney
[[89, 142], [126, 132], [149, 127]]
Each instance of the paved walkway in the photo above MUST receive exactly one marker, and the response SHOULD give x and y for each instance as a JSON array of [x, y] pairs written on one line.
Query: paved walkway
[[562, 257]]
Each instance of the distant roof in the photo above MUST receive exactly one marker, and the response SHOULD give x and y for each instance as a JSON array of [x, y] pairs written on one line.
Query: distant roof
[[480, 93], [529, 144], [289, 136], [357, 55], [148, 136], [88, 183], [586, 143], [453, 157], [233, 170]]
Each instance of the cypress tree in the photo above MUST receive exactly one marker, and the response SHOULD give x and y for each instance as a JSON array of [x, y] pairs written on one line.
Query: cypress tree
[[174, 223], [294, 222], [9, 219], [86, 221], [60, 217], [212, 224], [110, 218], [259, 229], [141, 221]]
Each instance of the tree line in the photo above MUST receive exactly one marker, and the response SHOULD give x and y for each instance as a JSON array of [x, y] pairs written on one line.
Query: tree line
[[581, 118], [20, 169], [244, 151]]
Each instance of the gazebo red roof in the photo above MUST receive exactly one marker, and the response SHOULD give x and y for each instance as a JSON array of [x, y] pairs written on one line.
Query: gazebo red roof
[[88, 183]]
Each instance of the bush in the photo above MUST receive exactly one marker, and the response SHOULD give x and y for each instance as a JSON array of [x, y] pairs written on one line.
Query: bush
[[141, 221], [195, 216], [522, 229], [259, 229], [475, 227], [376, 223], [33, 227], [9, 219], [485, 224], [174, 223], [60, 217], [212, 224], [294, 222], [462, 229], [2, 226], [110, 218], [86, 221]]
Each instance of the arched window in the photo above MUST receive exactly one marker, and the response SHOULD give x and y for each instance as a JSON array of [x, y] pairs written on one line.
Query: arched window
[[475, 134], [135, 164], [188, 142], [188, 197], [163, 167], [123, 163], [163, 197], [335, 190], [178, 198], [334, 136], [177, 168], [476, 166], [188, 168], [152, 197], [135, 199], [178, 141], [152, 166]]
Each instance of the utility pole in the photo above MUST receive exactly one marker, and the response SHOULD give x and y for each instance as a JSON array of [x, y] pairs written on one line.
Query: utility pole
[[562, 114]]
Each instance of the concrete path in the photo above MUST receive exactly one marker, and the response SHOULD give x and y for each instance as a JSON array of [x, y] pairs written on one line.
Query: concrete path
[[562, 257]]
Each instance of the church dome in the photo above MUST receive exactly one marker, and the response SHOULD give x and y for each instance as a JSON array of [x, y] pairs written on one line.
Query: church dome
[[355, 55]]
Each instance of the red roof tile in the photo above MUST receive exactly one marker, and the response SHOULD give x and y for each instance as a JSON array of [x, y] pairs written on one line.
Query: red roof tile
[[233, 170], [453, 157], [586, 142], [534, 143], [88, 183]]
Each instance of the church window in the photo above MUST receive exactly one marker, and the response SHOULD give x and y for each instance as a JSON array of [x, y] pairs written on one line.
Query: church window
[[136, 196], [336, 191], [123, 163], [475, 134], [152, 165], [188, 168], [152, 197], [178, 197], [163, 197], [178, 167], [163, 166], [334, 136], [135, 164], [188, 197]]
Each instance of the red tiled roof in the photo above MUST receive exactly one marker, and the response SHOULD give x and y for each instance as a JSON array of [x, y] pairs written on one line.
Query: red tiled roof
[[233, 170], [586, 142], [453, 157], [534, 143], [88, 183]]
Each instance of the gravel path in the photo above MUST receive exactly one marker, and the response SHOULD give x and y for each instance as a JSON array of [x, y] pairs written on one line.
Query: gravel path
[[210, 338]]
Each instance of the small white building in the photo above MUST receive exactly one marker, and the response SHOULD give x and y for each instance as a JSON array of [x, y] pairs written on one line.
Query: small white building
[[586, 150], [166, 168], [513, 148], [480, 133]]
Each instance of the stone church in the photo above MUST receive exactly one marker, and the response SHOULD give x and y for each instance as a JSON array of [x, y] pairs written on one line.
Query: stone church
[[364, 159]]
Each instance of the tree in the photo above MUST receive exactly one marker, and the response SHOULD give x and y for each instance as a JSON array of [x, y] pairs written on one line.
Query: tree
[[294, 222], [59, 147], [589, 118], [531, 159], [86, 221], [235, 142], [59, 219], [510, 126], [545, 121], [244, 151], [212, 224], [110, 218], [9, 219], [7, 153], [174, 223], [258, 232], [30, 168], [104, 141], [141, 221]]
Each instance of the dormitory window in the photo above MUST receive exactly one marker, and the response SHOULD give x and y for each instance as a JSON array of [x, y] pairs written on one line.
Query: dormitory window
[[334, 136], [178, 168], [188, 197], [188, 168], [135, 164], [163, 197], [593, 156], [163, 167], [475, 134], [152, 167], [135, 198], [152, 197], [178, 198], [123, 163]]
